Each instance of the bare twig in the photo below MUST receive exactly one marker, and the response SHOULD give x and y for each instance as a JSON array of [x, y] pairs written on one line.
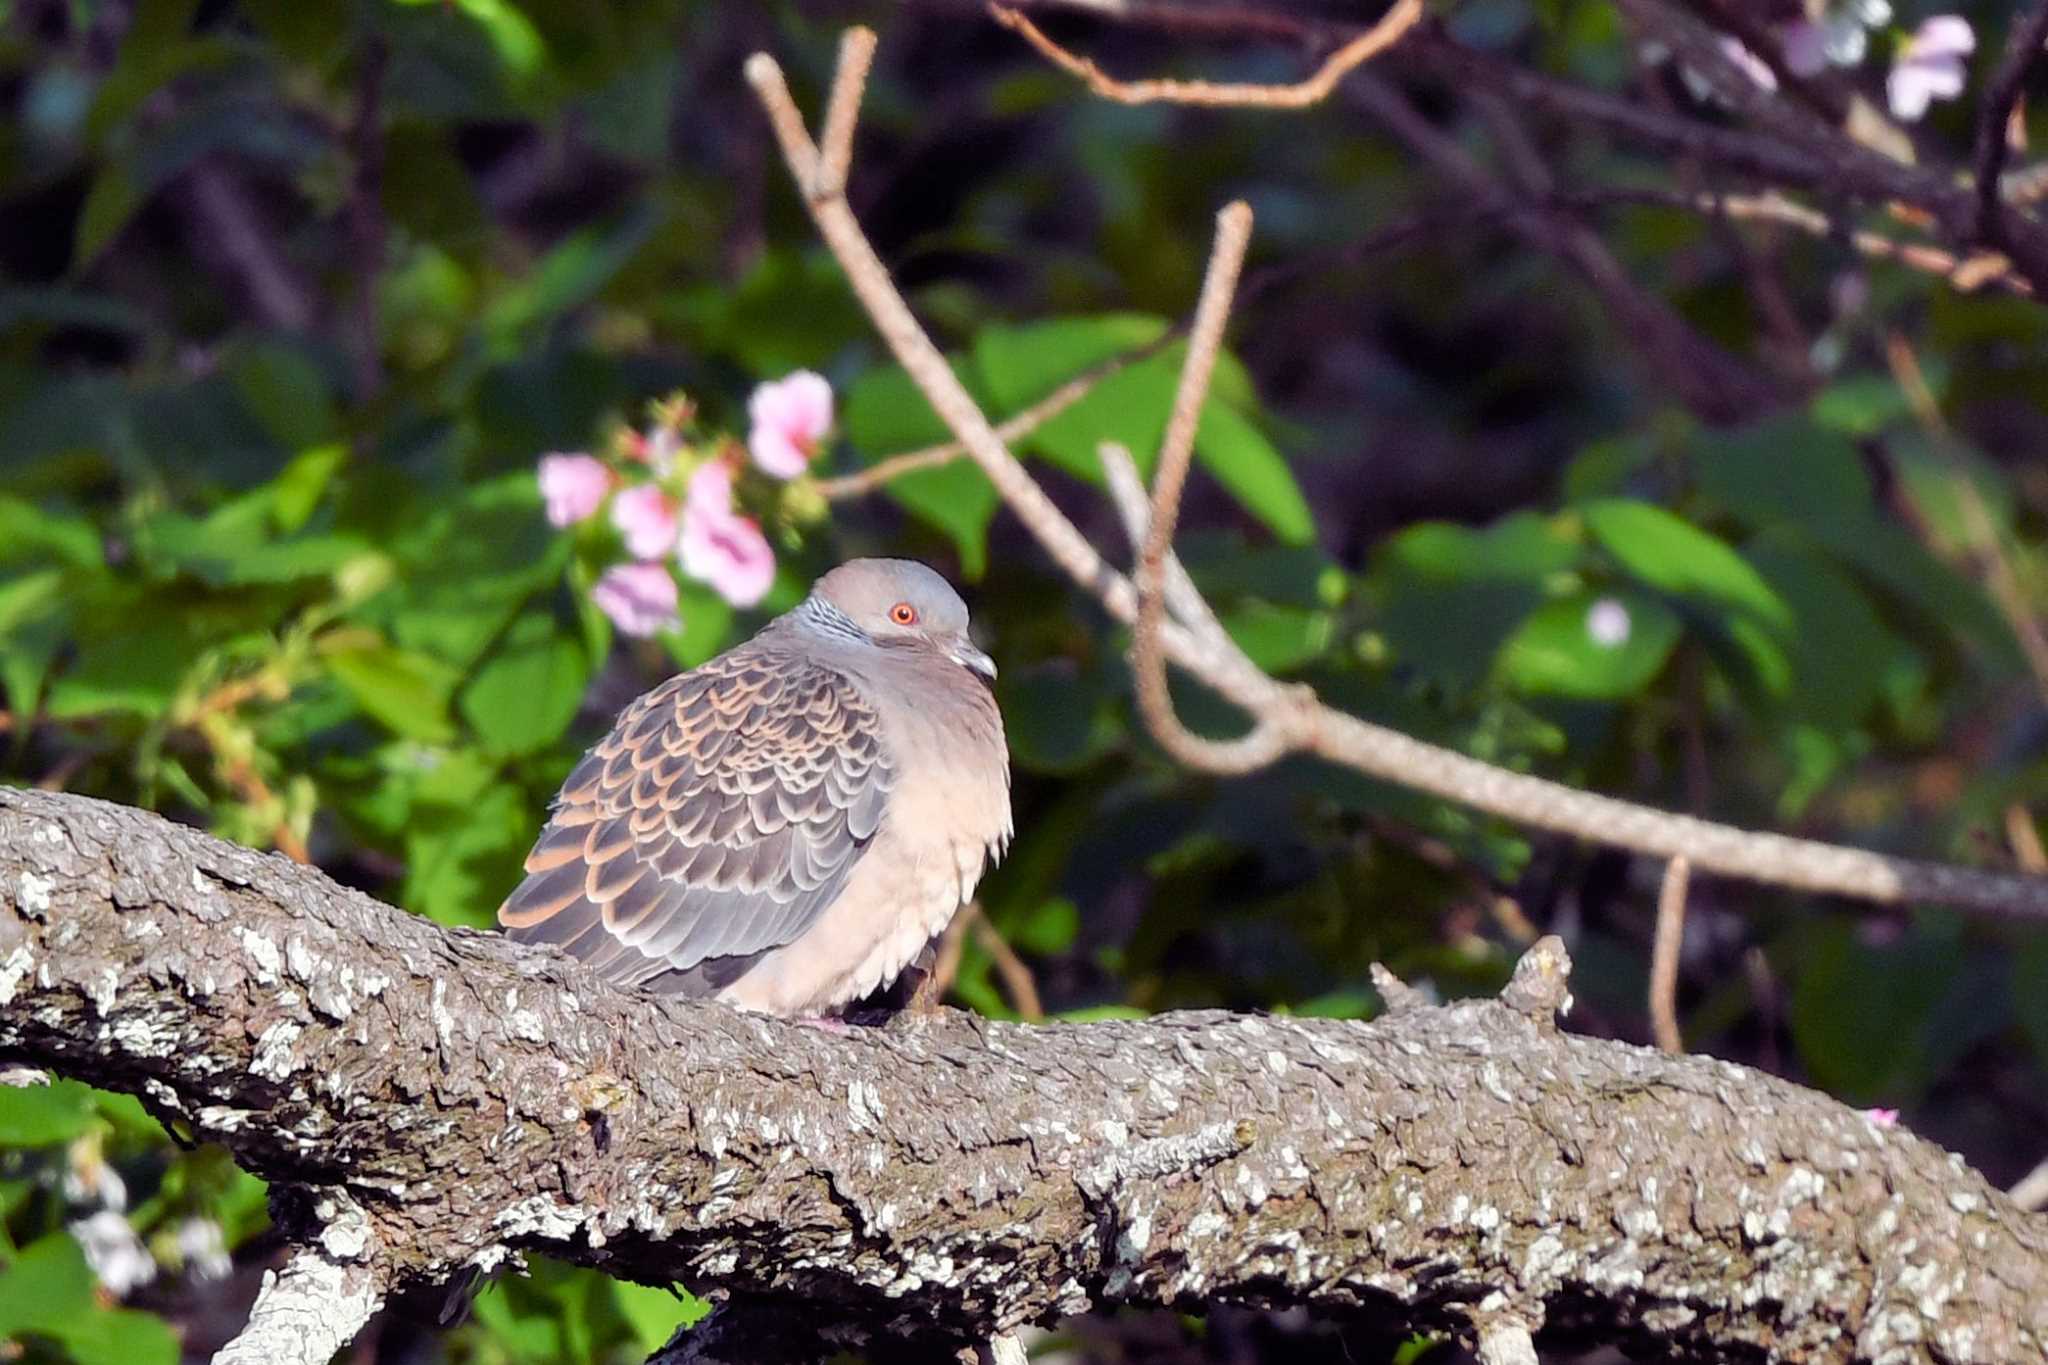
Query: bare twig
[[1353, 54], [1015, 428], [2022, 48], [842, 110], [1989, 548], [1271, 734], [2025, 838], [1018, 982], [1967, 273], [1664, 955], [1710, 380], [2032, 1190], [1336, 736]]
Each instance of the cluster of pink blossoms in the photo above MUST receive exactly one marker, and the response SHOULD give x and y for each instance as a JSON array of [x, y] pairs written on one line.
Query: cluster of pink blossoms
[[672, 501], [1932, 63]]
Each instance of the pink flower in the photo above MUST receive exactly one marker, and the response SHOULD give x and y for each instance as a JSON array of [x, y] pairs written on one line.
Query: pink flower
[[1883, 1118], [1805, 45], [1749, 63], [721, 547], [646, 517], [573, 487], [640, 598], [790, 417], [1930, 65]]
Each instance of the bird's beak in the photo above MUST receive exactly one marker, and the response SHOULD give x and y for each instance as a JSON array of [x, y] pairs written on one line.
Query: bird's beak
[[974, 660]]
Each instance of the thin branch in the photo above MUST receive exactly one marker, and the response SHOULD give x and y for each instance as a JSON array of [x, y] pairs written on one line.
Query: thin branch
[[1710, 380], [305, 1312], [1018, 982], [842, 110], [1967, 273], [2022, 49], [1664, 955], [2025, 838], [2032, 1190], [1014, 428], [1270, 735], [1389, 30], [1336, 736]]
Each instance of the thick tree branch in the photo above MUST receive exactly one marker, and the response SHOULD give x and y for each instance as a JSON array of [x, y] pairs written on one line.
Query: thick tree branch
[[306, 1312], [463, 1099]]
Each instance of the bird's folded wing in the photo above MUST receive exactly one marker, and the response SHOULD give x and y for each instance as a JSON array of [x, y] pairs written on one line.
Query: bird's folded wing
[[716, 821]]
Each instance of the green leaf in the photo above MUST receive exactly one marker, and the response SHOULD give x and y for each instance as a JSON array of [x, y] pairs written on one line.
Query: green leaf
[[1671, 554], [1049, 928], [298, 487], [1520, 547], [526, 694], [463, 859], [1595, 646], [27, 529], [655, 1314], [406, 691], [135, 671], [1026, 363], [1279, 639], [1860, 405], [886, 415], [1240, 458], [707, 624], [37, 1115], [1876, 1052], [46, 1288], [109, 205], [1841, 649], [289, 397], [1783, 469], [1023, 365], [2030, 994], [1055, 715], [1450, 597]]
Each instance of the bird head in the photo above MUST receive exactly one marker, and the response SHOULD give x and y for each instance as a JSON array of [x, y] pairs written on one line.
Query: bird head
[[899, 604]]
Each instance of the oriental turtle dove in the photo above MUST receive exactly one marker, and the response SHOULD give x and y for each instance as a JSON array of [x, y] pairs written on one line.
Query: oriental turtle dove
[[787, 826]]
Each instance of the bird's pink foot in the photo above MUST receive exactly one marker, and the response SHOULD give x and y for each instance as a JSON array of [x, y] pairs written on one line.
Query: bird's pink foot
[[825, 1023]]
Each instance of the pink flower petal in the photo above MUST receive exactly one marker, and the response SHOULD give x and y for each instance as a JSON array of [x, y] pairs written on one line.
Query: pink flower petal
[[1751, 65], [719, 546], [1944, 35], [789, 418], [573, 486], [646, 517], [1805, 45], [639, 598], [1883, 1118]]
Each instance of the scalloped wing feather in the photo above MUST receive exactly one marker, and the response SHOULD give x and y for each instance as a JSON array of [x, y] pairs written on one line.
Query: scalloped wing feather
[[716, 822]]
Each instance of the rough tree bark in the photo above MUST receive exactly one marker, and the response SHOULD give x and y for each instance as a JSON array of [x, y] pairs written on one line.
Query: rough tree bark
[[428, 1101]]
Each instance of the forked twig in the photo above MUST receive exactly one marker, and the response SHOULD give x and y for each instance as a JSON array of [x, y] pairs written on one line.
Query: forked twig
[[1664, 955], [1337, 736], [1271, 734], [1315, 89]]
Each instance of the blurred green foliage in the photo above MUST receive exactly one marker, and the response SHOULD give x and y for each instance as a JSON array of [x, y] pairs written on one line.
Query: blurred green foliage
[[293, 296]]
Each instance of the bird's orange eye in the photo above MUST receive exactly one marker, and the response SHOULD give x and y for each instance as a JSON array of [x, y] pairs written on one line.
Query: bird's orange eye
[[903, 614]]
